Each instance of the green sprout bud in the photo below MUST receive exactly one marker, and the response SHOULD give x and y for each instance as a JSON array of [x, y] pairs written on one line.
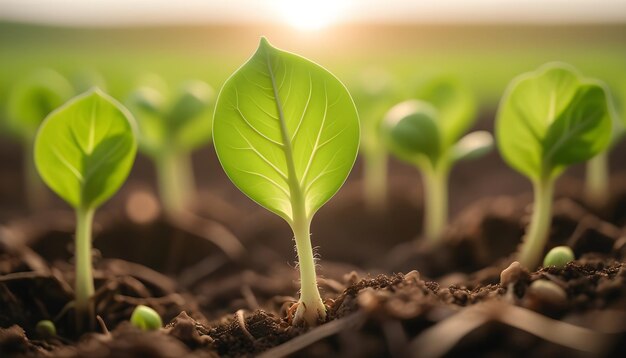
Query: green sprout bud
[[145, 318], [46, 329], [559, 257]]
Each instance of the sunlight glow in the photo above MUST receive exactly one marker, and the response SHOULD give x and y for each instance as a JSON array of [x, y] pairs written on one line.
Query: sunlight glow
[[311, 15]]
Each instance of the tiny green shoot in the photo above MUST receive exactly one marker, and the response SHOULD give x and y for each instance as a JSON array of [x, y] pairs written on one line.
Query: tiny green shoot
[[46, 329], [558, 257], [171, 126], [84, 151], [29, 102], [548, 120], [286, 132], [597, 168], [146, 318], [425, 133]]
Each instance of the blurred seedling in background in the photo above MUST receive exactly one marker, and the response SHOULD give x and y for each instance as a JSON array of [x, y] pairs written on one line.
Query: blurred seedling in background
[[286, 132], [29, 102], [597, 173], [548, 120], [425, 133], [84, 151], [375, 91], [146, 318], [172, 124]]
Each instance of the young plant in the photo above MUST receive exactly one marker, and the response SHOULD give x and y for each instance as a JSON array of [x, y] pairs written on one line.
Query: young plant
[[597, 168], [170, 128], [548, 120], [425, 133], [29, 102], [84, 151], [287, 133], [146, 318], [559, 257], [374, 94]]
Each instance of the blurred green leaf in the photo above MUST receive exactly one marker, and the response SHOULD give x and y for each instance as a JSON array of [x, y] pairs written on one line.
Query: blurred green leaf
[[85, 149], [552, 118]]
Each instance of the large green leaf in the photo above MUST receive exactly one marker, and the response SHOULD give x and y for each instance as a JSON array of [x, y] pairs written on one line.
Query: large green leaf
[[33, 98], [552, 118], [85, 149], [285, 128]]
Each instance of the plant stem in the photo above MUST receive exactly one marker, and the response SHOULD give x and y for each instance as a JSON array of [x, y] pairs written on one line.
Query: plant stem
[[36, 193], [597, 180], [310, 308], [176, 182], [538, 232], [84, 288], [375, 180], [436, 203]]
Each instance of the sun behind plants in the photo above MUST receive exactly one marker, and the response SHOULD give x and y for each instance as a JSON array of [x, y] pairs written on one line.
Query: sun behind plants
[[286, 132], [84, 152], [548, 120]]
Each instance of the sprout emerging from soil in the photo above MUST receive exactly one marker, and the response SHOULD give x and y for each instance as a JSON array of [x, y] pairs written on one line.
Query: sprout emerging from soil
[[171, 126], [30, 101], [84, 151], [375, 94], [46, 329], [597, 170], [287, 134], [145, 318], [425, 133], [548, 120], [559, 257]]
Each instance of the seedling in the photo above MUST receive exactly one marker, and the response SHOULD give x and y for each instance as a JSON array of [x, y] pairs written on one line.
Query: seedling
[[30, 101], [84, 151], [559, 257], [597, 170], [287, 133], [170, 128], [425, 133], [46, 329], [375, 94], [145, 318], [548, 120]]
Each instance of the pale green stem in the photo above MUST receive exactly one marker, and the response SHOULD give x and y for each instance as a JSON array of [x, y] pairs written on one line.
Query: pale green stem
[[537, 234], [375, 180], [310, 308], [597, 180], [35, 190], [84, 287], [175, 180], [435, 203]]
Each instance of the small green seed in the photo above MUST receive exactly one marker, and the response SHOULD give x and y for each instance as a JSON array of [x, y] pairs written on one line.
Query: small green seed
[[46, 329], [145, 318], [558, 257]]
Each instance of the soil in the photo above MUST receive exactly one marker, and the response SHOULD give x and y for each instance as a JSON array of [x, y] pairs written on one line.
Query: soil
[[223, 279]]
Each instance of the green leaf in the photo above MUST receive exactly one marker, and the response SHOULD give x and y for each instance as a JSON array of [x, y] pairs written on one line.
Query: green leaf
[[455, 106], [180, 122], [412, 133], [552, 118], [473, 146], [285, 129], [85, 149], [32, 99]]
